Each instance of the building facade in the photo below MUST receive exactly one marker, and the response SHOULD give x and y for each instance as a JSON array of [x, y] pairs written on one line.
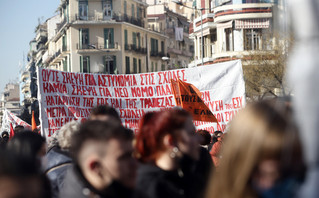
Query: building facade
[[10, 99], [180, 49], [231, 29], [104, 36]]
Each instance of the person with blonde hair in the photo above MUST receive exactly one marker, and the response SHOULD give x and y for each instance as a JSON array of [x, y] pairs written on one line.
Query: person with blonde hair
[[261, 156], [58, 158]]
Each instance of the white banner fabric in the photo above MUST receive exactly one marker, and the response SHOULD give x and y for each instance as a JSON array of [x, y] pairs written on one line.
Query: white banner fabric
[[66, 96], [9, 117]]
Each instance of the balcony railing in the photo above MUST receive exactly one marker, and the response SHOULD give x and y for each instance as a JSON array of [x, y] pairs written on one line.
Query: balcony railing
[[97, 46], [126, 18], [136, 49], [60, 25], [157, 54]]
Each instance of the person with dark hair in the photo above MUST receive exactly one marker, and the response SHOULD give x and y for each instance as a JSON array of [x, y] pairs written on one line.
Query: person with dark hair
[[104, 165], [4, 139], [215, 137], [18, 129], [104, 113], [168, 147], [205, 138], [29, 144], [20, 176]]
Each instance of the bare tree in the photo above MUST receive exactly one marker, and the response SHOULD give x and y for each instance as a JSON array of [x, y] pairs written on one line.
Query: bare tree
[[264, 70]]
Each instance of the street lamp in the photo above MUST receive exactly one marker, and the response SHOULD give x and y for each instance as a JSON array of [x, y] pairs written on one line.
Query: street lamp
[[201, 23]]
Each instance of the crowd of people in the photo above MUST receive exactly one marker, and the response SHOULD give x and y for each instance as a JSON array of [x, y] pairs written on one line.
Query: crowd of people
[[259, 155]]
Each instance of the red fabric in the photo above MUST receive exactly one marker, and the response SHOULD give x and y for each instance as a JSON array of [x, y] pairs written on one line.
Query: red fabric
[[215, 152], [11, 132], [34, 125]]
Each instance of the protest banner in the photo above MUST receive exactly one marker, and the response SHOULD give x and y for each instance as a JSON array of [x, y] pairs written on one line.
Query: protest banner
[[9, 118], [66, 96]]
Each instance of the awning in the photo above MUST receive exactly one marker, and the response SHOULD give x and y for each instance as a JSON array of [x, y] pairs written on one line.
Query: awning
[[225, 25], [251, 23]]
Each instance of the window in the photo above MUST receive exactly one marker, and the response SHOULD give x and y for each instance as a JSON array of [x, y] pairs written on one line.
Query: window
[[85, 64], [108, 38], [110, 64], [84, 38], [154, 47], [65, 64], [134, 65], [253, 39], [83, 10], [156, 66], [107, 9], [162, 47], [133, 11], [64, 43], [163, 67], [125, 40], [139, 66], [152, 69], [138, 35], [138, 12], [134, 40], [125, 7], [127, 65]]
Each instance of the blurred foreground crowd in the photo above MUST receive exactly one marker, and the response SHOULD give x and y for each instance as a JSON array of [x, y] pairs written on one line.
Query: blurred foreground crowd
[[259, 155]]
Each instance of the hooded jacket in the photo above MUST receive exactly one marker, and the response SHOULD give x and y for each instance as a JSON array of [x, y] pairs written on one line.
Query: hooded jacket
[[57, 163]]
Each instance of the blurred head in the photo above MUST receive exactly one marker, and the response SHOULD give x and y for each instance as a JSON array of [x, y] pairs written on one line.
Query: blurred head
[[166, 131], [216, 135], [104, 113], [5, 136], [52, 141], [205, 137], [65, 134], [18, 129], [20, 177], [103, 152], [27, 143], [261, 149]]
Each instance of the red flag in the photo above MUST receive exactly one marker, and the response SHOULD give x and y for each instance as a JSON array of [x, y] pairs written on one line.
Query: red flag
[[34, 125], [11, 132], [189, 98]]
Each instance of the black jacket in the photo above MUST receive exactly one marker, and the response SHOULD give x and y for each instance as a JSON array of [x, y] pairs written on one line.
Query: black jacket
[[76, 186], [189, 182], [158, 183], [57, 164]]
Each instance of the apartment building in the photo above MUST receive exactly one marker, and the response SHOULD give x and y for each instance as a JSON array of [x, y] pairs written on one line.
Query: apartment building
[[10, 99], [180, 49], [185, 11], [231, 29], [103, 36]]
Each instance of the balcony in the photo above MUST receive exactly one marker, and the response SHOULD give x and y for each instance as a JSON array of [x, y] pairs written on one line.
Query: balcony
[[135, 49], [60, 25], [187, 53], [174, 51], [243, 11], [97, 47], [157, 54], [25, 75], [128, 19], [99, 18], [56, 58]]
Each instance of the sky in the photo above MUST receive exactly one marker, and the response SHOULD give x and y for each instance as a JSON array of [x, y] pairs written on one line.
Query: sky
[[19, 19]]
